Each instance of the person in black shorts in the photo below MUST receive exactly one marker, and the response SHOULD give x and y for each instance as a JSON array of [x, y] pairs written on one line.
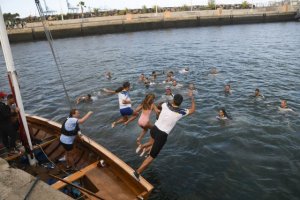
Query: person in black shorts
[[69, 131], [170, 114]]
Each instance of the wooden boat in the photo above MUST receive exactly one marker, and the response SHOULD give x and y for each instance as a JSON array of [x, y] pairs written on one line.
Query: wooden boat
[[109, 179], [99, 174]]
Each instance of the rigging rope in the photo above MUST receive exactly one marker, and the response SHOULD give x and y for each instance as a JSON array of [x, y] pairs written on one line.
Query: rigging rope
[[50, 41]]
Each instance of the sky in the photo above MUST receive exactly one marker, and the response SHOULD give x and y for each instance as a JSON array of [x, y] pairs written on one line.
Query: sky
[[27, 7]]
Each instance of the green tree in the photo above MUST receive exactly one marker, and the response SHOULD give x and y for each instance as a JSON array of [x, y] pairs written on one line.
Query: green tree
[[212, 4], [81, 4], [184, 8], [10, 16], [144, 9], [245, 5], [96, 11], [126, 11]]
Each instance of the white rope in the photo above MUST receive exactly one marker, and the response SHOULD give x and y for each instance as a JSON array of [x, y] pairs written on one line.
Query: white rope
[[50, 41]]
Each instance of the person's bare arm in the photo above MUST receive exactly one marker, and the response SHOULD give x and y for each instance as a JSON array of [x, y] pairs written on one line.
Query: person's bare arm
[[193, 106], [109, 91], [86, 116], [157, 111]]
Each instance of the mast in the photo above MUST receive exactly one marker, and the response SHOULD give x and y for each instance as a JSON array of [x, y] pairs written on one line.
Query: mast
[[12, 73]]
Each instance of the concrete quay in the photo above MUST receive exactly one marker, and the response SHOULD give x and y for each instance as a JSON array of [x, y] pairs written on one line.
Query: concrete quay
[[15, 184], [152, 21]]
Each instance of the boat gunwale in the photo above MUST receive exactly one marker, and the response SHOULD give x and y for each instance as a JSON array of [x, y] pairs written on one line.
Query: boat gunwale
[[115, 162]]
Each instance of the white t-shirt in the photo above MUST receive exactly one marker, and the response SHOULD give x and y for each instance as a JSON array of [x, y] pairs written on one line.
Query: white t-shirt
[[168, 117], [123, 95], [70, 125]]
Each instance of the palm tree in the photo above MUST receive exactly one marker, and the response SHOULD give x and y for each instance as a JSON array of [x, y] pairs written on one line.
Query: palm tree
[[81, 4], [245, 5]]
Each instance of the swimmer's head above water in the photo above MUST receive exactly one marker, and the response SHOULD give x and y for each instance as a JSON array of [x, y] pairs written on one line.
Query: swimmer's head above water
[[174, 83], [227, 88], [257, 92], [191, 86], [283, 104], [213, 70], [223, 114], [168, 91]]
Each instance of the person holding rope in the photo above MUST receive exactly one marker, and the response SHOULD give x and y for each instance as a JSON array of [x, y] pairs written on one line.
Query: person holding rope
[[170, 114], [69, 131]]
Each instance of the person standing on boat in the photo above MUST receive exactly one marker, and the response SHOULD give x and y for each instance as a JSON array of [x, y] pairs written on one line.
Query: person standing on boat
[[170, 114], [7, 131], [69, 130], [14, 110]]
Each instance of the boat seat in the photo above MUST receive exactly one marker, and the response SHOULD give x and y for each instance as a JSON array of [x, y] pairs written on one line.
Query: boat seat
[[52, 147], [59, 152], [109, 185], [75, 176]]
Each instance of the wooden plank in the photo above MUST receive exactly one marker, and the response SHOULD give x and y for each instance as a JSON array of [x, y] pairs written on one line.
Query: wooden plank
[[109, 185], [78, 187], [121, 167], [52, 147], [77, 175]]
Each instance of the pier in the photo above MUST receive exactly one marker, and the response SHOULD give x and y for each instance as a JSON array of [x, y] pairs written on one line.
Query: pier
[[152, 21]]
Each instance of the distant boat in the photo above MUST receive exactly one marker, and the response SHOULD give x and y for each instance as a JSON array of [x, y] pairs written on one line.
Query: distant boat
[[99, 174]]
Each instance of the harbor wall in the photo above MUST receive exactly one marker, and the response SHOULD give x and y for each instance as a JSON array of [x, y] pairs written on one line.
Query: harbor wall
[[152, 21]]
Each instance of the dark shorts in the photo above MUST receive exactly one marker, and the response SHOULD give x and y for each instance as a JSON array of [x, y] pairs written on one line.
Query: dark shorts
[[160, 138], [67, 147], [126, 111]]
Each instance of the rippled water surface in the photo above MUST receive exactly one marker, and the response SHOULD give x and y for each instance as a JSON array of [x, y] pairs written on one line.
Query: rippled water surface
[[254, 156]]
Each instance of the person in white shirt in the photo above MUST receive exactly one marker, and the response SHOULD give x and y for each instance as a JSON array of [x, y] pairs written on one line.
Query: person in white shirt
[[124, 103], [170, 114]]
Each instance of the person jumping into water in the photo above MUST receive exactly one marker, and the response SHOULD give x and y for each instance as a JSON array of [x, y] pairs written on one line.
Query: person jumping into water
[[144, 121], [124, 102], [170, 114]]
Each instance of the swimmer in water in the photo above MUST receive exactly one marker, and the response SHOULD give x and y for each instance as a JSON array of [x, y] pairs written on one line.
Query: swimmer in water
[[227, 89], [192, 89], [258, 94], [223, 115], [284, 107], [170, 74], [153, 76], [168, 96], [169, 79], [108, 75], [175, 85], [86, 99], [184, 71], [146, 82], [142, 78], [213, 71]]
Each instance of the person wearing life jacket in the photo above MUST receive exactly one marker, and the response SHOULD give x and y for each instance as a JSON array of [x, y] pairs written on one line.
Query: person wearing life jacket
[[69, 131]]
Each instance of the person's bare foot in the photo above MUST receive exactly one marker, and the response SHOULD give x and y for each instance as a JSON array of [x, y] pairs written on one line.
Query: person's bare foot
[[113, 124]]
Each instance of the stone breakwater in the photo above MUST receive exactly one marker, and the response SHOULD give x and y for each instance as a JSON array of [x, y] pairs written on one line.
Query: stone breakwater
[[140, 22]]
